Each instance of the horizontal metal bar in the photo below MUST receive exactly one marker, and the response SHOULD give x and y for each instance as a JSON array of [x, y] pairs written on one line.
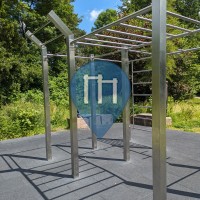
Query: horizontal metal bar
[[140, 59], [108, 60], [56, 55], [129, 34], [95, 58], [37, 30], [142, 45], [142, 106], [108, 54], [140, 12], [142, 95], [55, 38], [184, 18], [172, 53], [184, 51], [184, 34], [100, 45], [142, 83], [168, 25], [143, 52], [136, 27], [142, 71], [83, 57], [110, 42], [140, 28], [119, 38]]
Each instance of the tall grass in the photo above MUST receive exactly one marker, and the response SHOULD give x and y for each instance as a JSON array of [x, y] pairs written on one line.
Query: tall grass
[[22, 118], [185, 115], [25, 116]]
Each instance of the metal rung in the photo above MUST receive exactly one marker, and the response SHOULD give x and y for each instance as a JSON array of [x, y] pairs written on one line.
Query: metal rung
[[141, 71], [37, 30], [142, 106], [142, 95], [55, 38], [142, 83]]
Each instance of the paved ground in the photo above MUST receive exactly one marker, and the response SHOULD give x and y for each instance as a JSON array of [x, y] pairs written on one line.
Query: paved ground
[[26, 175]]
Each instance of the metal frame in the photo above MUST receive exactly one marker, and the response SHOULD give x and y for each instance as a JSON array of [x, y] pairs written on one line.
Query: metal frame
[[126, 111], [93, 107], [156, 39], [45, 72], [71, 70], [159, 99]]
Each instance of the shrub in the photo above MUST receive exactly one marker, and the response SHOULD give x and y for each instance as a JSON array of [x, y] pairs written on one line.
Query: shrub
[[20, 119]]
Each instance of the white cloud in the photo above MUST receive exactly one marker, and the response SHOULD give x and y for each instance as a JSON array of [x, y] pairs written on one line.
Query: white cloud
[[94, 14]]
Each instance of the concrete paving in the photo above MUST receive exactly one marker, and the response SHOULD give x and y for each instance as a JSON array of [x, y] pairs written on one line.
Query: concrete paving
[[26, 175]]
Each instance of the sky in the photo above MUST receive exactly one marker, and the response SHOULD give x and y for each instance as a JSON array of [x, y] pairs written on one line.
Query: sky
[[90, 9]]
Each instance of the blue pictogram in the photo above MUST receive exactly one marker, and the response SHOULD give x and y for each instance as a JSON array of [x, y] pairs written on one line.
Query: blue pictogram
[[100, 91]]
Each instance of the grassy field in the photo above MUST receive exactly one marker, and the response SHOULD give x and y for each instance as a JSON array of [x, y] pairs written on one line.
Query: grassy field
[[185, 115]]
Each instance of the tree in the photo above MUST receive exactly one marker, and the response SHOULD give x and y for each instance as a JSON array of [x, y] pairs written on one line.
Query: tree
[[180, 71], [21, 60], [182, 74], [189, 8], [104, 18], [129, 6]]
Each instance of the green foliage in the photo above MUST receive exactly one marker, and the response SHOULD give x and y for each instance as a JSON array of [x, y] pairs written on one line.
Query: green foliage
[[182, 70], [129, 6], [59, 90], [21, 67], [25, 116], [104, 18], [20, 119], [185, 115], [189, 8], [21, 97], [59, 116]]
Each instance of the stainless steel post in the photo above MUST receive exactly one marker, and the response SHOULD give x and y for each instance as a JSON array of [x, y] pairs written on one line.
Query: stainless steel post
[[126, 111], [133, 98], [45, 72], [71, 70], [159, 99], [73, 110], [93, 105]]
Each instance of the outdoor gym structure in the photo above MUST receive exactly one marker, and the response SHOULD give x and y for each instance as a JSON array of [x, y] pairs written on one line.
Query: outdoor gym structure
[[135, 43]]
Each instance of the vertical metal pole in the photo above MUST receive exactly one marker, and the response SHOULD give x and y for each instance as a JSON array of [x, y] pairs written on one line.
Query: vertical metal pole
[[167, 92], [73, 110], [93, 105], [159, 99], [133, 100], [126, 111], [45, 73]]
